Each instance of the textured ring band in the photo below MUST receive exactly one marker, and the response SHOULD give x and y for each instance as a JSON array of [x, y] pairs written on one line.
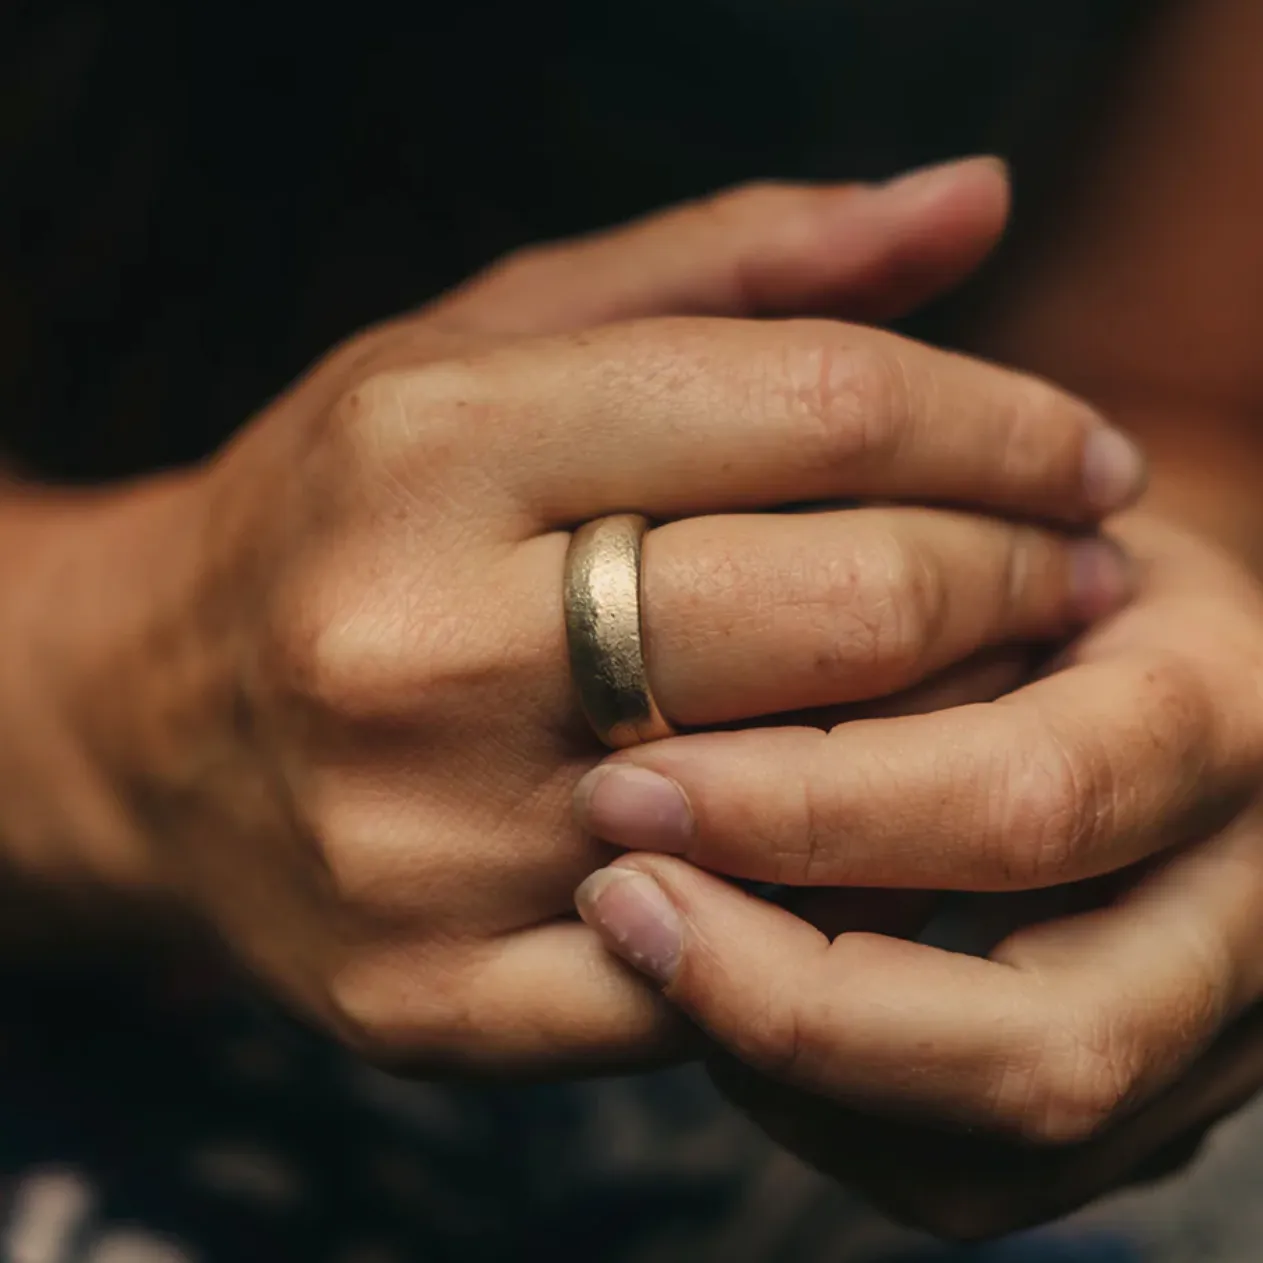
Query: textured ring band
[[604, 633]]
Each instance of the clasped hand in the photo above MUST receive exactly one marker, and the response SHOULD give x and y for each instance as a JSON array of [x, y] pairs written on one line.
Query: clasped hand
[[356, 753]]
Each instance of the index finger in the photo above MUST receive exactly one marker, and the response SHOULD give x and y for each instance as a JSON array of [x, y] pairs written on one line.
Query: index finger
[[760, 249]]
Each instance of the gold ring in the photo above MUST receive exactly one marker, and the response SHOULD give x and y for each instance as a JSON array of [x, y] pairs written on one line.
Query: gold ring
[[605, 634]]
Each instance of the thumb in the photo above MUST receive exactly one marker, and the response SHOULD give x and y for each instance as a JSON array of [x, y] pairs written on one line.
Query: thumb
[[871, 1021], [856, 251]]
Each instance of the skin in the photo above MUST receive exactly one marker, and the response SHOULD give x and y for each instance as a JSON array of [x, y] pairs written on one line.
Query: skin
[[313, 694], [1114, 1017], [292, 769]]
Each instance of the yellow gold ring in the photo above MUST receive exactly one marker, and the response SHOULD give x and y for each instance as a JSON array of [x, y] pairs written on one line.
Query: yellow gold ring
[[605, 634]]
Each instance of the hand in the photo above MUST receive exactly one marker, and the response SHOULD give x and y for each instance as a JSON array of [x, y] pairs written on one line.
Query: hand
[[1098, 1032], [973, 1186], [347, 736]]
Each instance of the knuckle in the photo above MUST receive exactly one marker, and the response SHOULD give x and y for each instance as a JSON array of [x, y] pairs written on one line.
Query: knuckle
[[392, 415], [346, 830], [1042, 435], [341, 653], [791, 1035], [909, 617], [1057, 799], [354, 357], [318, 658], [384, 1017], [852, 399], [346, 674], [1073, 1090], [1025, 562], [804, 851], [356, 414], [746, 220], [1065, 793], [774, 1043], [786, 1036], [364, 1022], [887, 609], [352, 639]]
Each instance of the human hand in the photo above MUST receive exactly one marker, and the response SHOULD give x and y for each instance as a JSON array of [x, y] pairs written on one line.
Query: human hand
[[1106, 1025], [977, 1185], [347, 736]]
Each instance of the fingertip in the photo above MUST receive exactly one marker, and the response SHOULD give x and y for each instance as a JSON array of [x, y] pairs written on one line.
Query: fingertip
[[963, 205], [932, 228], [635, 919], [1115, 471], [925, 187], [1102, 578], [635, 807]]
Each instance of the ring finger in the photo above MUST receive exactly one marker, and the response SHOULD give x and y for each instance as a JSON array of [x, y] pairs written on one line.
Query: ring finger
[[751, 615]]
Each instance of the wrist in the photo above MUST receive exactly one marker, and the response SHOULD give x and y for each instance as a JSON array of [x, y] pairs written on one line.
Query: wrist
[[94, 600]]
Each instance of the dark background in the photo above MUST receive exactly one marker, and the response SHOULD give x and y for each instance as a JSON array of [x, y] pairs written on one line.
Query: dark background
[[197, 199]]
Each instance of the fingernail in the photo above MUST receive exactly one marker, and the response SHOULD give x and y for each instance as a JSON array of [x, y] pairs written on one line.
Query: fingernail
[[634, 807], [910, 191], [1113, 470], [1101, 578], [635, 918]]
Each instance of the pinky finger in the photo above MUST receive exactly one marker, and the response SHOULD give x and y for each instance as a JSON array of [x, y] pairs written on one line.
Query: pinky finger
[[542, 1002]]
